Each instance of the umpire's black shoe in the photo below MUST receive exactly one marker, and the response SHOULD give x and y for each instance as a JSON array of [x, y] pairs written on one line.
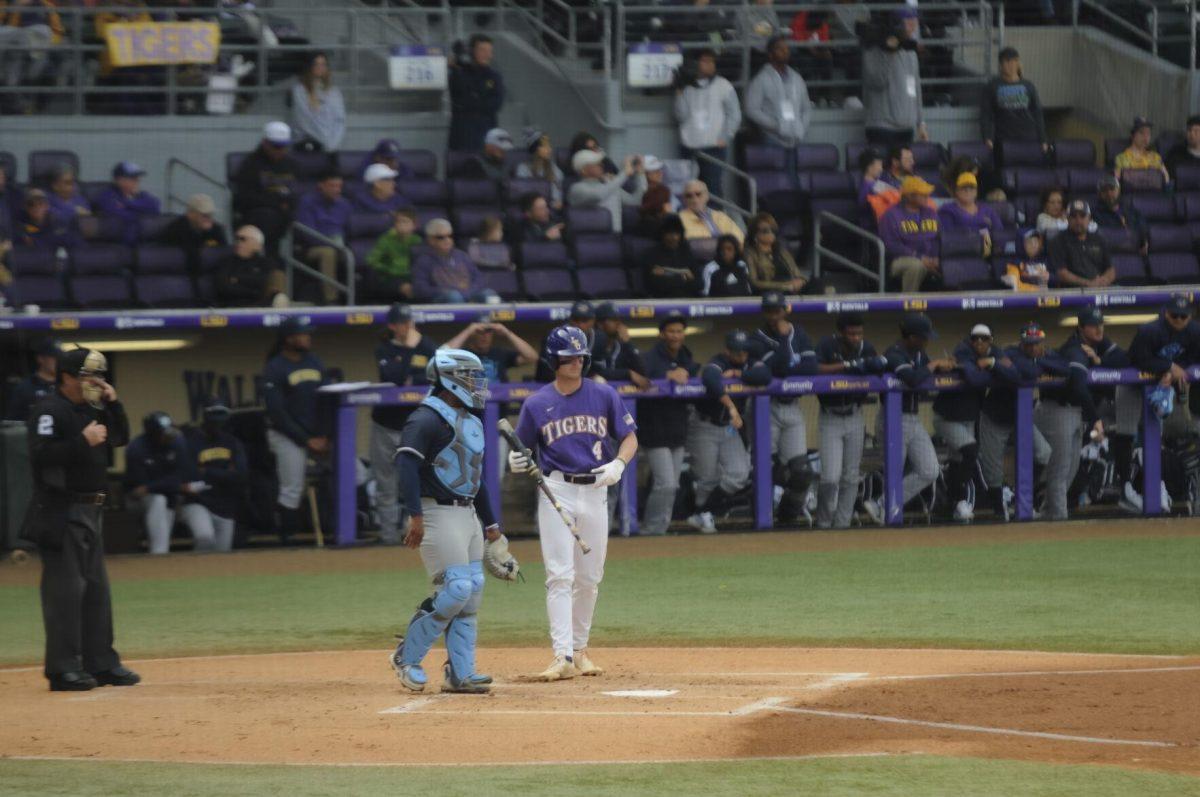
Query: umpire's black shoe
[[72, 682], [117, 676]]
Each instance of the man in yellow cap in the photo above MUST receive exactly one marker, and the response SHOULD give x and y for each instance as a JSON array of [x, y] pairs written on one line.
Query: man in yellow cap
[[910, 234]]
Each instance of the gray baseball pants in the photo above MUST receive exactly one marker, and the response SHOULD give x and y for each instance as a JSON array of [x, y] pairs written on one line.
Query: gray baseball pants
[[993, 439], [789, 437], [291, 463], [453, 536], [841, 461], [210, 532], [1063, 428], [919, 454], [718, 458], [666, 465], [956, 434], [384, 442]]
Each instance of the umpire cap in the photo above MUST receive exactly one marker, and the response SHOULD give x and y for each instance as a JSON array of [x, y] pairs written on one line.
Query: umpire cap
[[82, 362], [296, 325]]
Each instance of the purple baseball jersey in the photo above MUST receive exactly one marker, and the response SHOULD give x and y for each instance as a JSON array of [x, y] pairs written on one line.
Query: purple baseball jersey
[[574, 434]]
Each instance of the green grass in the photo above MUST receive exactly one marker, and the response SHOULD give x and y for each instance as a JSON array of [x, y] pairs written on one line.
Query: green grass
[[1130, 595], [906, 776]]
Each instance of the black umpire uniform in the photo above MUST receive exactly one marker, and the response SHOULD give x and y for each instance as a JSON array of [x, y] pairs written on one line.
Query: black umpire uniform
[[65, 521]]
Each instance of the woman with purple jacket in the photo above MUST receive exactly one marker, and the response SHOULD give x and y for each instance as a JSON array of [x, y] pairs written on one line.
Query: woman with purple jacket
[[964, 212]]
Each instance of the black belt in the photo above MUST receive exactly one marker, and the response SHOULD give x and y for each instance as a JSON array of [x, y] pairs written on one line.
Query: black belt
[[451, 501], [572, 478], [87, 499], [841, 412]]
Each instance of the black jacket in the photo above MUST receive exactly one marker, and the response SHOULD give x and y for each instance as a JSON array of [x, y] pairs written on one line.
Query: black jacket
[[613, 359], [663, 422], [476, 95], [60, 457], [261, 182], [671, 285], [401, 365], [862, 362], [24, 395], [242, 283], [965, 405], [1123, 217], [220, 462], [181, 234], [1000, 404]]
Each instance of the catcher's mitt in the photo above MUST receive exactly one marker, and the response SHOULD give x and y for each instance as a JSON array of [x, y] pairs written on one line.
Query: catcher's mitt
[[499, 562]]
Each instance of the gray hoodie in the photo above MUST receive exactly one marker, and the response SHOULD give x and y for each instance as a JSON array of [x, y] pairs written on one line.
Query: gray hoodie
[[707, 113], [779, 105], [891, 89], [609, 194]]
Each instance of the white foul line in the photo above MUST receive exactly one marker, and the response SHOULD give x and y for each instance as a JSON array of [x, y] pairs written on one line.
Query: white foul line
[[766, 704], [410, 706], [935, 676], [953, 726]]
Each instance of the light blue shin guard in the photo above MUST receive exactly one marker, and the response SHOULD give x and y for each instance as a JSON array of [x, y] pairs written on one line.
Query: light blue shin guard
[[426, 627], [462, 629]]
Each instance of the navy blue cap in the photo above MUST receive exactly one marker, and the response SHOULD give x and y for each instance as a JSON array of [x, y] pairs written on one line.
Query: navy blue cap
[[388, 146], [296, 325], [737, 340], [127, 169], [606, 311], [673, 317], [917, 324], [1090, 317], [1180, 304], [773, 300], [48, 347], [1138, 123], [398, 313], [583, 310]]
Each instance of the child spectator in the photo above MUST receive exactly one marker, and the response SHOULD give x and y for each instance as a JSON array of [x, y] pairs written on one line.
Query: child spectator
[[1139, 155], [875, 195], [726, 274], [390, 259], [1028, 271], [1053, 218], [488, 250]]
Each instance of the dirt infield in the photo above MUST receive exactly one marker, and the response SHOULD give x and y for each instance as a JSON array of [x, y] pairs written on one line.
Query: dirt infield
[[345, 707]]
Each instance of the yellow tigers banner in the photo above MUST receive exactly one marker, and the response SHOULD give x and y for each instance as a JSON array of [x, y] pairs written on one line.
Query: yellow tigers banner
[[146, 43]]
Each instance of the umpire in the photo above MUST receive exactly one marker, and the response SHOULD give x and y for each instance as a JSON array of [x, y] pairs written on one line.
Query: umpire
[[71, 433]]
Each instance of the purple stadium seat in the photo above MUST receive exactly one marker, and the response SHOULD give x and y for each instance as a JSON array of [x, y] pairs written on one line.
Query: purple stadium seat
[[604, 283], [368, 225], [1155, 208], [8, 165], [92, 189], [1187, 177], [1173, 267], [856, 148], [961, 243], [98, 229], [972, 149], [630, 216], [43, 163], [1006, 212], [44, 291], [494, 255], [101, 258], [775, 186], [589, 221], [469, 191], [1114, 147], [503, 282], [597, 251], [514, 158], [311, 165], [103, 291], [1130, 268], [1142, 181], [1015, 154], [964, 273], [637, 282], [544, 255], [211, 256], [636, 247], [928, 154], [1005, 241], [349, 162], [1029, 181], [161, 259], [552, 283], [1119, 240], [462, 165], [843, 207], [421, 162], [426, 215], [829, 184], [816, 158], [1074, 153], [1189, 207], [1166, 140], [518, 187], [1084, 179], [233, 162], [1170, 238], [468, 220], [26, 262], [160, 290], [763, 158], [933, 177], [424, 192], [562, 156], [151, 228], [361, 247]]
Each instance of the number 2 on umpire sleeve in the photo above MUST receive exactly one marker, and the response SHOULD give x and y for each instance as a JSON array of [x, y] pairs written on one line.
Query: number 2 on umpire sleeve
[[598, 450], [46, 426]]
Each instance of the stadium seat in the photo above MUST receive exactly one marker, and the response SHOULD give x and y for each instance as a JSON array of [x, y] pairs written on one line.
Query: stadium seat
[[211, 256], [544, 256], [1130, 268], [92, 189], [368, 225], [1017, 154], [1006, 241], [1187, 177], [1006, 211], [763, 158], [776, 193], [589, 221], [966, 273], [965, 149], [518, 187], [469, 220], [928, 155], [492, 255], [1084, 179], [604, 283], [95, 292], [428, 214], [630, 217], [25, 262], [360, 248], [1170, 238], [97, 229], [1173, 267], [1119, 239], [44, 291], [161, 259], [1155, 208], [549, 284], [1074, 153], [421, 162], [636, 248], [1166, 140], [562, 157], [350, 161], [960, 243], [854, 149], [1142, 181], [8, 165], [1114, 147], [101, 258], [463, 165], [503, 282], [311, 165], [514, 158], [151, 228], [43, 163], [159, 290], [424, 192], [1027, 181], [475, 192], [703, 250], [816, 158], [597, 251]]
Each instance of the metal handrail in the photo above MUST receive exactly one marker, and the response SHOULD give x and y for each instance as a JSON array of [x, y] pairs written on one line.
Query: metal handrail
[[873, 240], [293, 263], [174, 163], [1150, 36], [751, 184]]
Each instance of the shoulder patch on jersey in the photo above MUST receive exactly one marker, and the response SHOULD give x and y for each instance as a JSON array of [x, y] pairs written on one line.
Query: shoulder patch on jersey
[[628, 419]]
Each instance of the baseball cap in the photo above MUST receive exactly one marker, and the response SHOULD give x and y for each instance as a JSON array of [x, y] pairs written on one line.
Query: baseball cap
[[379, 171], [1179, 304], [35, 195], [532, 137], [216, 411], [398, 313], [673, 317], [652, 163], [498, 137], [127, 169], [981, 329], [915, 185], [1107, 181], [966, 178], [48, 347], [584, 158], [583, 311], [277, 133], [296, 325], [1009, 53], [917, 324], [1032, 333], [606, 311], [773, 300], [1079, 208], [75, 361], [202, 204], [1090, 317], [737, 340], [1138, 123], [389, 147]]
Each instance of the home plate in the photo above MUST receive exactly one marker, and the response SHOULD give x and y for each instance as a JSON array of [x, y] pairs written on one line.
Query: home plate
[[642, 693]]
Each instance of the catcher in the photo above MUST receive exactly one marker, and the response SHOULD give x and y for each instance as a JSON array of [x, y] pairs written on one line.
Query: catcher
[[440, 467]]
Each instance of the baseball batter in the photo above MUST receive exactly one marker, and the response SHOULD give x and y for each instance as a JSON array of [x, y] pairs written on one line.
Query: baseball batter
[[570, 424]]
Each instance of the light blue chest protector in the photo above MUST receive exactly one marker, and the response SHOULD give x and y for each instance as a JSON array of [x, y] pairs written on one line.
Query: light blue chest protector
[[459, 466]]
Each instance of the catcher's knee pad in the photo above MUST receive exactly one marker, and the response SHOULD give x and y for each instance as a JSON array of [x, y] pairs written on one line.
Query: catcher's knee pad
[[455, 592], [477, 582]]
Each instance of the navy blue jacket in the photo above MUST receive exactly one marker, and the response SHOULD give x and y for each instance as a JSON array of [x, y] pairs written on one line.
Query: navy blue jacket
[[401, 365], [663, 422], [476, 94], [1000, 405], [290, 391], [159, 468], [966, 404], [710, 407], [865, 359], [1156, 347], [911, 368], [220, 462]]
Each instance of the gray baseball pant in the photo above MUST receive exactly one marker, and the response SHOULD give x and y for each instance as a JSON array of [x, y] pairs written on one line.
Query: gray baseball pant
[[1063, 428], [718, 458], [453, 536], [159, 519], [841, 461], [919, 454], [291, 463], [211, 531], [789, 437], [956, 434], [993, 439], [384, 442], [666, 465]]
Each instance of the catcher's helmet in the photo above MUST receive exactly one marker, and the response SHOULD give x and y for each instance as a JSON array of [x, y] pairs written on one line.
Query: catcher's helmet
[[568, 341], [461, 373]]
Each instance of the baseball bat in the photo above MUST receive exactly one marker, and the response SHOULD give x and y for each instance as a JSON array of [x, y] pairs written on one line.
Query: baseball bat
[[515, 443]]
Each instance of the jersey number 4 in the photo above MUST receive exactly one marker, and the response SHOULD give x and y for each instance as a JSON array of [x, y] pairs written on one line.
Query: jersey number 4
[[45, 425], [598, 451]]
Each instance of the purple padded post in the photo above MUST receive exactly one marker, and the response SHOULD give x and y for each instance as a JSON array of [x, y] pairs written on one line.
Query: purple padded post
[[491, 459], [764, 488], [893, 458], [345, 490], [1024, 453], [629, 492], [1151, 457]]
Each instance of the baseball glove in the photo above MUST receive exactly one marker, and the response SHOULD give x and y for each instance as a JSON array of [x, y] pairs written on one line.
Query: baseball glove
[[499, 562]]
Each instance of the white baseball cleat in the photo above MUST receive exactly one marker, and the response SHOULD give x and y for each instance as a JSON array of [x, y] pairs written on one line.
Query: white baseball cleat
[[561, 669], [703, 522], [584, 664], [964, 512], [873, 510]]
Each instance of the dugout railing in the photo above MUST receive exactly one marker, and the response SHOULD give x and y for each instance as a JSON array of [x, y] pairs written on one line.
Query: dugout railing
[[889, 389]]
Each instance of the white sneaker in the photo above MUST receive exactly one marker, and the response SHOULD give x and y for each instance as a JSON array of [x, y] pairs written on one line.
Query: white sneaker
[[585, 666], [964, 512], [1131, 499], [873, 510], [704, 522], [561, 669]]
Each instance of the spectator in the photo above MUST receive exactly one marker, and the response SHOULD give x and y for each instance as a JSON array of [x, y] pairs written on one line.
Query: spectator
[[484, 250], [246, 277], [1186, 152], [390, 274], [1028, 272], [476, 94], [656, 175], [220, 462], [67, 202], [387, 152], [965, 213], [446, 275], [726, 274], [196, 229], [1138, 154], [900, 164], [37, 229], [536, 222], [264, 186], [1080, 257], [614, 357], [656, 203], [669, 268], [910, 236], [963, 164], [125, 199], [326, 211], [318, 113], [876, 196], [1053, 218], [1010, 109], [758, 23], [11, 205], [584, 140], [479, 338], [541, 165], [709, 116], [700, 221], [772, 267], [777, 101], [892, 85], [597, 190], [28, 28], [159, 474], [1114, 213], [379, 195], [492, 160]]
